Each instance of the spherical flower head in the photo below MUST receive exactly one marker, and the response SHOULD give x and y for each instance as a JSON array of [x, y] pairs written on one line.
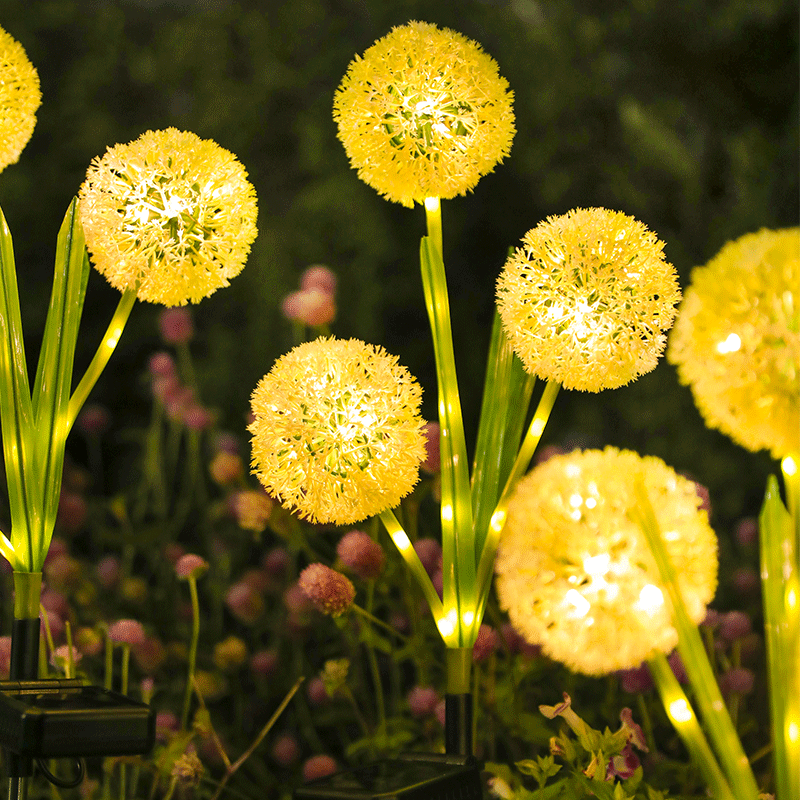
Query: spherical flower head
[[20, 97], [318, 767], [191, 566], [424, 113], [176, 325], [736, 341], [359, 552], [422, 701], [336, 432], [575, 571], [229, 654], [126, 631], [586, 299], [170, 215], [329, 590], [318, 276], [252, 508], [244, 602]]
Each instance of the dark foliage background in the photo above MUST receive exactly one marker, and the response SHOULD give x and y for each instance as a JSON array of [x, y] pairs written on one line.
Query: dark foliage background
[[680, 112]]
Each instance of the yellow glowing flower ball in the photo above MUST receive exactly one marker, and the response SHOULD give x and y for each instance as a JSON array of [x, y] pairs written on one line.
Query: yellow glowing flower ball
[[337, 432], [575, 572], [423, 114], [737, 341], [20, 97], [169, 214], [586, 300]]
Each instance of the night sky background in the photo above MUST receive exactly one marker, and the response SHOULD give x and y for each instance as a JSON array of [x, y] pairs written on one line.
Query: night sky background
[[682, 114]]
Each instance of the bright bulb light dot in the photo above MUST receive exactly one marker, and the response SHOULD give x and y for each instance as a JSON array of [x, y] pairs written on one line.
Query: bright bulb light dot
[[447, 512], [575, 500], [789, 466], [651, 597], [446, 627], [791, 600], [401, 540], [679, 711], [431, 203], [730, 345], [578, 602], [537, 428], [793, 732], [468, 617]]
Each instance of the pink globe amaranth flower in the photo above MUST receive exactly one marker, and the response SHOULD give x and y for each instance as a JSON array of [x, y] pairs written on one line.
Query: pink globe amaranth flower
[[191, 566], [166, 723], [59, 658], [296, 600], [175, 325], [636, 680], [433, 461], [62, 572], [430, 554], [178, 401], [316, 308], [329, 590], [360, 553], [422, 700], [735, 625], [488, 642], [286, 750], [244, 602], [678, 669], [126, 631], [252, 509], [226, 468], [711, 619], [264, 663], [318, 767], [5, 656], [197, 417], [746, 580], [149, 655], [747, 531], [161, 365], [276, 561], [317, 693], [290, 306], [318, 276], [108, 570], [54, 602], [93, 420], [738, 680], [72, 512]]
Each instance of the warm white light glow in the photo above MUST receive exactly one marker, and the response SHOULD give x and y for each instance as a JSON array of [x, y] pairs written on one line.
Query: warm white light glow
[[537, 427], [679, 711], [445, 626], [447, 512], [401, 540], [651, 598], [791, 599], [578, 602], [591, 502], [431, 204], [575, 500], [793, 732], [789, 466], [112, 340], [730, 345], [597, 566], [498, 520], [468, 617]]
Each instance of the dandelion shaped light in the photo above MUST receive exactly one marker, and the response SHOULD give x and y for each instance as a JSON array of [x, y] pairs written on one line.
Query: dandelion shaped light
[[424, 113], [575, 572], [337, 432], [20, 97], [170, 215], [736, 341], [587, 298]]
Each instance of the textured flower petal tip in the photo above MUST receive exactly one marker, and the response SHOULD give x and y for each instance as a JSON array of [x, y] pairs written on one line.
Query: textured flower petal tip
[[337, 433], [170, 214], [20, 97], [575, 572], [330, 591], [736, 341], [586, 299], [423, 114]]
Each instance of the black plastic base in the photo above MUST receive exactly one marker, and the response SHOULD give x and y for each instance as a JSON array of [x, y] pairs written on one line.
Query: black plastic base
[[410, 776], [55, 718]]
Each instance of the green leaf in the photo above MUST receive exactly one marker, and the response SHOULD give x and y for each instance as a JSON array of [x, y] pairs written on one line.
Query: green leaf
[[51, 391], [16, 415], [506, 397]]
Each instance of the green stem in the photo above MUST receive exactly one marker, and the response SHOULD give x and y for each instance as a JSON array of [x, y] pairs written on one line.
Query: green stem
[[458, 535], [380, 705], [103, 354], [379, 622], [688, 728], [27, 591], [523, 460], [692, 652], [780, 572], [192, 650]]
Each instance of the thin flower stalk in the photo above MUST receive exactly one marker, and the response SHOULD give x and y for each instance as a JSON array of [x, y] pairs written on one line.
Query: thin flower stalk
[[685, 721], [780, 573], [192, 579], [523, 460], [458, 537], [690, 647]]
